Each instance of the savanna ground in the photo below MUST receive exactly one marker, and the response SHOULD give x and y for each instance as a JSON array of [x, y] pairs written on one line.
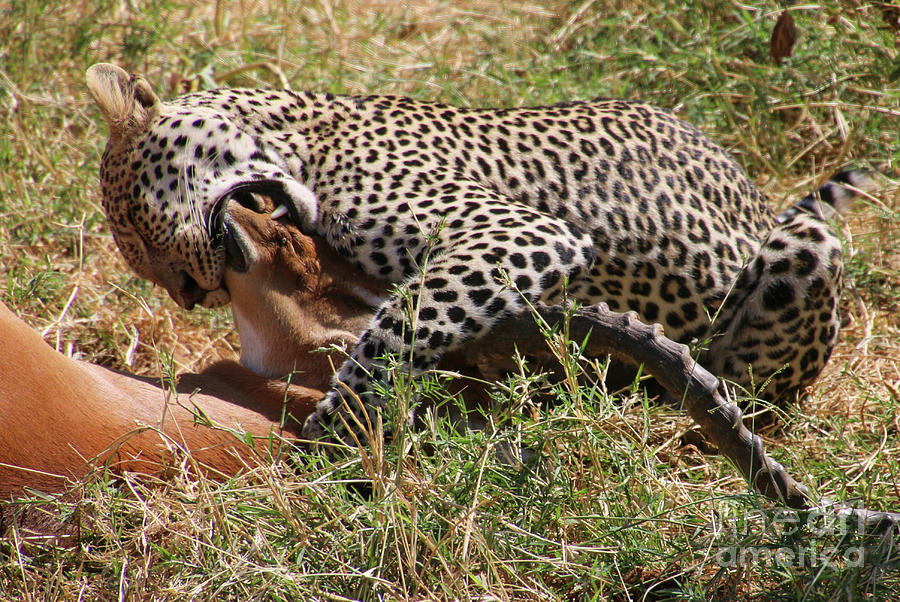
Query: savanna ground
[[619, 502]]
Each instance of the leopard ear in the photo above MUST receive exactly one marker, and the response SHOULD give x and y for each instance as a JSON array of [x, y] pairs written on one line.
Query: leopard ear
[[128, 102]]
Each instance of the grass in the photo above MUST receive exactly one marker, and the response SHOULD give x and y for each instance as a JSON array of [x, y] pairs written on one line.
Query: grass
[[617, 502]]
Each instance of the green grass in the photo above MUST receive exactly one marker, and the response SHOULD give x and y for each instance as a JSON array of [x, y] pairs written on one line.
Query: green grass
[[615, 502]]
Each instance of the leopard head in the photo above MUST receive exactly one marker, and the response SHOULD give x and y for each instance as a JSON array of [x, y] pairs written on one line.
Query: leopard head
[[166, 174]]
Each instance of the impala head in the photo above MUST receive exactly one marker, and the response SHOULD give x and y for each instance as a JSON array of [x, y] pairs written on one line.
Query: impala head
[[290, 293]]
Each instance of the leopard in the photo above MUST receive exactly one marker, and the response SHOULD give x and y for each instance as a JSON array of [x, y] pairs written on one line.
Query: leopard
[[470, 215]]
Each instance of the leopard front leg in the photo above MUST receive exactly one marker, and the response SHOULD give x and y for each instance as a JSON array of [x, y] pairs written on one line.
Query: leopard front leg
[[459, 294]]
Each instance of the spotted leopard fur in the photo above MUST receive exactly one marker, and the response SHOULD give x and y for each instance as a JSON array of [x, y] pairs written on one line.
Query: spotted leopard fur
[[472, 213]]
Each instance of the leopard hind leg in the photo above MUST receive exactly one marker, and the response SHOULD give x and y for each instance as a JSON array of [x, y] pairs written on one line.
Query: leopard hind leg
[[779, 324]]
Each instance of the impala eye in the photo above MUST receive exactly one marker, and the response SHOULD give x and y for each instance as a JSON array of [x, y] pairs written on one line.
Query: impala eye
[[236, 252]]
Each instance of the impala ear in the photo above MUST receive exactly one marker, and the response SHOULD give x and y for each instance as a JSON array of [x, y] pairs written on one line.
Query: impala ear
[[240, 252], [128, 102]]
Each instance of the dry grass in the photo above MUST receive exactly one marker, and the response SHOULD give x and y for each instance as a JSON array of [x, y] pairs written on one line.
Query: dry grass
[[618, 505]]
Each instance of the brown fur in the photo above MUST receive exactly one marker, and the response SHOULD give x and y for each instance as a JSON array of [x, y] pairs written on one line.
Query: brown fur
[[297, 295], [61, 417]]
